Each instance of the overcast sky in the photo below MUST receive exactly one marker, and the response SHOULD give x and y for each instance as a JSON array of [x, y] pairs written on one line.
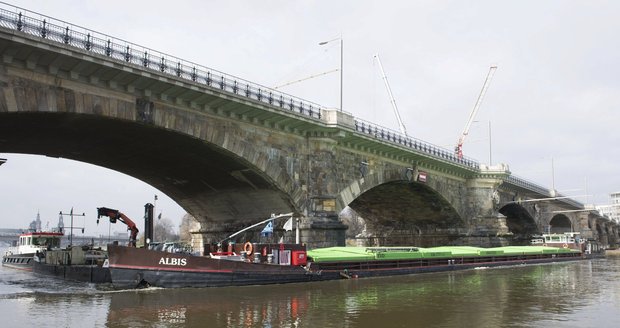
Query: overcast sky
[[555, 96]]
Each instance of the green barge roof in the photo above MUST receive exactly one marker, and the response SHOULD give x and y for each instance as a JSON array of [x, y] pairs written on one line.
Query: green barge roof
[[337, 254]]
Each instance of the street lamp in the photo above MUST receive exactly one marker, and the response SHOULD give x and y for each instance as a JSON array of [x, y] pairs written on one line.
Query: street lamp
[[341, 59]]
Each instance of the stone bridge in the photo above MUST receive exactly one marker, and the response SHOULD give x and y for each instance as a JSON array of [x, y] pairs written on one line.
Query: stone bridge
[[232, 152]]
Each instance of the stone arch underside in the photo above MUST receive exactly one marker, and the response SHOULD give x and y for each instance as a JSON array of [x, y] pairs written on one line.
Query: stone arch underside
[[560, 223], [210, 183], [407, 213], [520, 223]]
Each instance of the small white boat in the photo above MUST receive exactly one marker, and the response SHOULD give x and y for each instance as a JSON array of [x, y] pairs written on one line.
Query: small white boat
[[29, 244], [572, 240]]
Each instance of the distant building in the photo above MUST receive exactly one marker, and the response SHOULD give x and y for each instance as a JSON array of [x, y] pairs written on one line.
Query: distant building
[[36, 224], [612, 211]]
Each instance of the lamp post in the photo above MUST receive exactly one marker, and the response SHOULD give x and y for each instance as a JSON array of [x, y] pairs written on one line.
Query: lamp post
[[341, 60]]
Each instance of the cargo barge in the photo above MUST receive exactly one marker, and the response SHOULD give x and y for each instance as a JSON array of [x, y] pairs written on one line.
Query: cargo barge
[[259, 264], [76, 263], [359, 262]]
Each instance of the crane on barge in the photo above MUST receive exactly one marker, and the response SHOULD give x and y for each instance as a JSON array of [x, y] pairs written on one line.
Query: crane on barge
[[459, 145], [117, 215]]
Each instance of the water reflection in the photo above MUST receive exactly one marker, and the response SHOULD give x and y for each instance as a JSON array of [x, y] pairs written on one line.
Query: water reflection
[[578, 294], [256, 306], [527, 296]]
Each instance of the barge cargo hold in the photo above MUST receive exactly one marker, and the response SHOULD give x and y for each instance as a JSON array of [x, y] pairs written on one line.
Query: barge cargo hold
[[362, 262], [132, 267], [77, 263]]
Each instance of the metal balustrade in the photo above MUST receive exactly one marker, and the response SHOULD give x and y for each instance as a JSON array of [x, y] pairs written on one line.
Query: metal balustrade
[[71, 35], [45, 27], [520, 182], [414, 144]]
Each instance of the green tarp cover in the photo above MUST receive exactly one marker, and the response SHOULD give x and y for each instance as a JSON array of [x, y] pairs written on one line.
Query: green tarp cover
[[337, 254]]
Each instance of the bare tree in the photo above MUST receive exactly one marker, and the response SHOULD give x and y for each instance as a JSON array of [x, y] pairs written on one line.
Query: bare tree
[[356, 223], [163, 230]]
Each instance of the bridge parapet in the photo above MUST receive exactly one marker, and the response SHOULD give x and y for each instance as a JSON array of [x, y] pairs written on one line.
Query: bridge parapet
[[48, 28], [528, 185], [335, 118], [413, 144]]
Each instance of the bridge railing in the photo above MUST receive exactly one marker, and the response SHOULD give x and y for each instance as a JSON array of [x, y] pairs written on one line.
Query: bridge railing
[[523, 183], [45, 27], [414, 144]]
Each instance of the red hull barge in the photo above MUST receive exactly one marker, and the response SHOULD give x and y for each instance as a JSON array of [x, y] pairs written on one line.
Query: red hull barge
[[134, 267]]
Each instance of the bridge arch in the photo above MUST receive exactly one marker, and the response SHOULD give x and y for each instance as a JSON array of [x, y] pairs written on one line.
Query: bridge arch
[[429, 218], [121, 141], [560, 223], [520, 222]]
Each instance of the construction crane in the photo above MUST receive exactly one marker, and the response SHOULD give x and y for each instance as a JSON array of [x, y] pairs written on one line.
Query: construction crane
[[403, 130], [459, 146]]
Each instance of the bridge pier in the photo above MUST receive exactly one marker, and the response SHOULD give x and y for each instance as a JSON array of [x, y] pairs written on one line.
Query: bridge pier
[[314, 232], [485, 219], [322, 231]]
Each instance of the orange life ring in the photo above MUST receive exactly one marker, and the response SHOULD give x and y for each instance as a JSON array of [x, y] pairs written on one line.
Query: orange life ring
[[247, 248], [564, 246]]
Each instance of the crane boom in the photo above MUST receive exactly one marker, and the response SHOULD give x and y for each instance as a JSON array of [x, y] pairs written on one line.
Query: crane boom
[[403, 130], [459, 146], [117, 215]]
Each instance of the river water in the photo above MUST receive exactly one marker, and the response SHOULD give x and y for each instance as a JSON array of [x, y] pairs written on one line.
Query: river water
[[578, 294]]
